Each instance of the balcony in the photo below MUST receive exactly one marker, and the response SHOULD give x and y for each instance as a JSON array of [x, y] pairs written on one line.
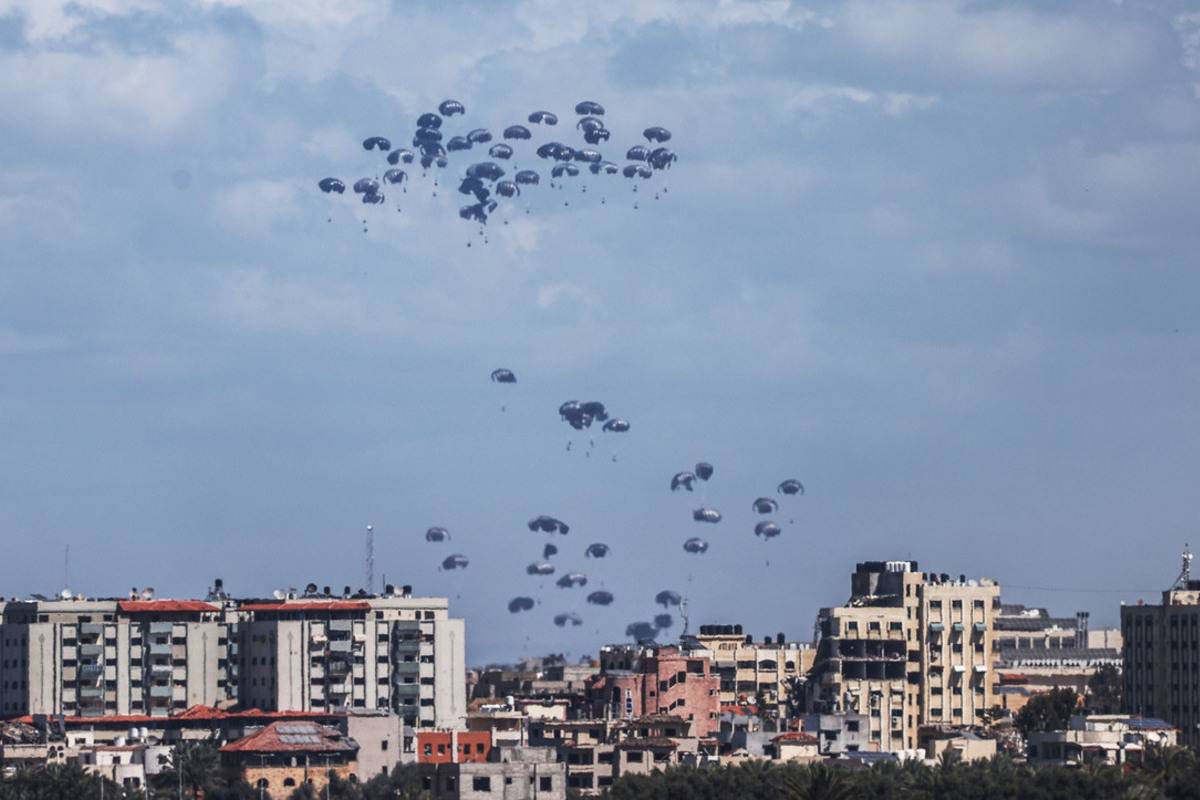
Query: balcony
[[91, 650], [340, 646], [159, 648], [160, 691]]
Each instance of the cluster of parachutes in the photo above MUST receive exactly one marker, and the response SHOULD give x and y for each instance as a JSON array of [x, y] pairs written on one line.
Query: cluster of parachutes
[[488, 182], [582, 415]]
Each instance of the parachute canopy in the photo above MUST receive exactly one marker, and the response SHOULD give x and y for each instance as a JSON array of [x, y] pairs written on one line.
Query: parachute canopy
[[540, 568], [695, 545], [437, 535], [589, 107], [600, 598], [767, 529], [765, 505], [706, 514], [544, 118], [448, 108], [704, 470], [597, 550], [377, 143], [503, 376], [548, 525], [328, 185], [667, 598], [569, 618], [791, 486], [456, 561], [571, 580], [682, 480], [519, 604]]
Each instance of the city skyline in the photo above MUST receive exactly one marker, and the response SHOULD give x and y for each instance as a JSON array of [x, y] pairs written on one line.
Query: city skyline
[[931, 258]]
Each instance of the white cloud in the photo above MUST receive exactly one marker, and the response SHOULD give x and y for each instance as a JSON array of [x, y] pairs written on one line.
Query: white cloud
[[49, 20], [108, 91], [819, 97], [1004, 44], [259, 205]]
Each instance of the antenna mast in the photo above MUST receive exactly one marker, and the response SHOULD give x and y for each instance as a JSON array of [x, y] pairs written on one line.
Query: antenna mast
[[67, 566], [1185, 571], [370, 559]]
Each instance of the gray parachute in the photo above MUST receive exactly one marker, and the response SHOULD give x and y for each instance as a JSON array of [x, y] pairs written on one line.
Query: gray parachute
[[765, 505], [663, 621], [544, 118], [328, 185], [616, 425], [642, 632], [682, 480], [600, 598], [597, 550], [448, 108], [549, 550], [767, 529], [519, 604], [379, 143], [437, 535], [667, 598], [791, 486], [704, 470], [456, 561], [589, 107], [657, 134], [500, 150], [548, 525], [503, 376], [695, 545], [517, 132], [540, 568], [706, 514], [571, 580], [569, 618]]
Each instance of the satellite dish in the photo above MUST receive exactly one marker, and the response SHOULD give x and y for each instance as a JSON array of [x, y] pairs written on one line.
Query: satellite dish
[[148, 593], [278, 594], [65, 594]]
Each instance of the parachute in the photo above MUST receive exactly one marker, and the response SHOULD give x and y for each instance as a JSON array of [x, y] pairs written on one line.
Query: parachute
[[426, 136], [526, 177], [437, 535], [403, 154], [767, 529], [372, 198], [663, 621], [377, 143], [548, 525], [706, 514], [597, 550], [667, 598], [544, 118], [540, 568], [519, 604], [637, 153], [571, 580], [474, 186], [487, 170], [366, 186], [589, 107], [704, 470], [500, 150], [328, 185], [394, 175], [596, 135], [564, 169], [791, 486], [517, 132], [508, 189], [458, 143], [682, 480], [661, 158], [600, 598], [570, 618], [657, 134], [588, 156], [616, 425], [456, 561], [637, 171], [765, 505], [641, 631], [479, 136], [429, 120], [607, 167], [586, 124], [448, 108], [580, 415], [549, 550], [695, 545], [503, 376]]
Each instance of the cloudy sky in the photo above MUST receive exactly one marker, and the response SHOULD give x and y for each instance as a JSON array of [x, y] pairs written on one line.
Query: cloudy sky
[[935, 259]]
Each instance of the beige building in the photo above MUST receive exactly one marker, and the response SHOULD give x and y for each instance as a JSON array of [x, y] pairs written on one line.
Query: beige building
[[102, 657], [747, 667], [1162, 659], [909, 649], [81, 657]]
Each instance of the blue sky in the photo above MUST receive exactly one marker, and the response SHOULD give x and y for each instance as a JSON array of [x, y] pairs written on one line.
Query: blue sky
[[936, 259]]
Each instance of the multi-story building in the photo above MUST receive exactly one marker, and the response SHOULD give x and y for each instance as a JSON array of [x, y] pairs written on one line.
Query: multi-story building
[[1162, 658], [637, 682], [93, 658], [909, 649], [393, 651], [750, 670]]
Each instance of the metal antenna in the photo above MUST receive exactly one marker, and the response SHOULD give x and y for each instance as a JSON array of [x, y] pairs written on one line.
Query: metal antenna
[[1185, 571], [683, 612], [370, 559], [67, 567]]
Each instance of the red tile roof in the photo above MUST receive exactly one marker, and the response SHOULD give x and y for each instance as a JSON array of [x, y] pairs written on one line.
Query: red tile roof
[[309, 605], [293, 737], [164, 606], [795, 737]]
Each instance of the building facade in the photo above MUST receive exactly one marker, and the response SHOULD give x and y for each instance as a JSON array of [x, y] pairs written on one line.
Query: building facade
[[90, 658], [750, 670], [636, 682], [1161, 655], [909, 649]]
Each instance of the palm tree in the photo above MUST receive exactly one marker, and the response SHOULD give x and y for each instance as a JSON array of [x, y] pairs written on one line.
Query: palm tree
[[820, 782]]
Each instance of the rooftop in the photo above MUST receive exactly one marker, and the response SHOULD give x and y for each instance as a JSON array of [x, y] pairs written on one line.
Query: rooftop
[[293, 737]]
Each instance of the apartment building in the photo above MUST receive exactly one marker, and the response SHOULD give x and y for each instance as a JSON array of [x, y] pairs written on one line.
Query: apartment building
[[638, 682], [92, 658], [314, 652], [749, 670], [908, 649], [1161, 656]]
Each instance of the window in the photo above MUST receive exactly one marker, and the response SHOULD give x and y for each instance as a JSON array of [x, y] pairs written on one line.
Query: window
[[545, 784], [481, 783], [634, 756]]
